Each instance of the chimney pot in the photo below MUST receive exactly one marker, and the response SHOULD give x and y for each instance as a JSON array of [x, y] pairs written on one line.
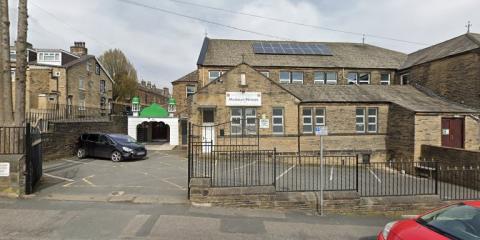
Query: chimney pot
[[79, 49]]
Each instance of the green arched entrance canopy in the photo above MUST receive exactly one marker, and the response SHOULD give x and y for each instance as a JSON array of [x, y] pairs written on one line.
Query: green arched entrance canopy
[[154, 111]]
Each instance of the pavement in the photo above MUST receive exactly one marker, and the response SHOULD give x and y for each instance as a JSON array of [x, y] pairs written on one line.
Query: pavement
[[146, 199]]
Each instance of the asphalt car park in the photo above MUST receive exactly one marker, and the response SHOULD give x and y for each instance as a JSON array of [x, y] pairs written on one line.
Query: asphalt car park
[[161, 175]]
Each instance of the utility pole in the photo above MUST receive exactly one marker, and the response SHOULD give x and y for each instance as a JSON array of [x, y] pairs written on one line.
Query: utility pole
[[468, 26]]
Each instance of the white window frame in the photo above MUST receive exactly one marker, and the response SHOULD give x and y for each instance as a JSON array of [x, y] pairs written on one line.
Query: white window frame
[[249, 126], [13, 74], [375, 117], [362, 123], [232, 121], [331, 81], [81, 103], [359, 81], [352, 81], [265, 73], [285, 80], [13, 55], [320, 116], [89, 66], [319, 78], [104, 90], [55, 57], [189, 93], [307, 117], [81, 84], [385, 82], [277, 117], [97, 68], [210, 78], [294, 81]]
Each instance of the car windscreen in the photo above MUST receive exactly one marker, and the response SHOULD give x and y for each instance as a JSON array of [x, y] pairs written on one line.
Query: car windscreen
[[123, 139], [456, 222]]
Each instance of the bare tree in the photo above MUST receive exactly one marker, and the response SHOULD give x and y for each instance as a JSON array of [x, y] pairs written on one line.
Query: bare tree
[[122, 72], [5, 59], [21, 68]]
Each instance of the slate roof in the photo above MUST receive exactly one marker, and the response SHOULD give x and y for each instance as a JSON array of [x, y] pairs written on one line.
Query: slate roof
[[225, 52], [460, 44], [190, 77], [406, 96]]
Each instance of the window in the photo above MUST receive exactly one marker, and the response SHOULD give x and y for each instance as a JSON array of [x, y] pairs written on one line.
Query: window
[[364, 78], [319, 116], [307, 120], [325, 78], [208, 115], [372, 120], [360, 120], [89, 67], [352, 78], [81, 84], [81, 102], [243, 121], [103, 103], [291, 77], [372, 123], [191, 90], [212, 75], [102, 86], [277, 120], [385, 78], [48, 57], [97, 69], [284, 77], [265, 73], [13, 55], [13, 75], [404, 79]]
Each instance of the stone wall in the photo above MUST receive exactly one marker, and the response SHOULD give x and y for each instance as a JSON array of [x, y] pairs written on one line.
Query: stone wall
[[453, 157], [400, 140], [61, 142], [13, 185], [456, 78]]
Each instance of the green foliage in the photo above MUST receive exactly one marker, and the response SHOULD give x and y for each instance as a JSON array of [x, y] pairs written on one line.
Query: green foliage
[[122, 72]]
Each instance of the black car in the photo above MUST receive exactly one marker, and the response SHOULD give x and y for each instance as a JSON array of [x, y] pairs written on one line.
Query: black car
[[117, 147]]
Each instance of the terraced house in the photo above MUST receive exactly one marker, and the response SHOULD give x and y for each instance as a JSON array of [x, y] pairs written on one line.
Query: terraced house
[[74, 78], [292, 87]]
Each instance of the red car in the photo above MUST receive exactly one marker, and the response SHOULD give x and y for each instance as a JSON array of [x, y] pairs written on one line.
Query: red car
[[458, 221]]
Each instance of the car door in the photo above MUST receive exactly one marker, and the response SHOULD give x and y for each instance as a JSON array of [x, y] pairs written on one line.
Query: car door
[[92, 145], [103, 147]]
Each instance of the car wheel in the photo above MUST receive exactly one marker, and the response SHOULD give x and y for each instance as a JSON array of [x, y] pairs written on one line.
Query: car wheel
[[116, 156], [81, 153]]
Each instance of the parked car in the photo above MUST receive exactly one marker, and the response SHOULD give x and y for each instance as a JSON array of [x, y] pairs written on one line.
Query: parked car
[[457, 221], [117, 147]]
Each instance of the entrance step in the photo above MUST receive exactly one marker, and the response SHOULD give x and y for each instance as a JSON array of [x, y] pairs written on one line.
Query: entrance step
[[158, 147]]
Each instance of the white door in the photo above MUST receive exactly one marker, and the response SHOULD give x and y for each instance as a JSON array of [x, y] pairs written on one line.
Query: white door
[[208, 130]]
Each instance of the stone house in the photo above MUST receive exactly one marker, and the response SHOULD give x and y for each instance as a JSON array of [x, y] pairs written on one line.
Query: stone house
[[56, 78], [380, 122], [148, 93], [450, 69]]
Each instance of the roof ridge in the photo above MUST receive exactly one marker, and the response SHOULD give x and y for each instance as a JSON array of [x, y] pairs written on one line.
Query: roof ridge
[[473, 39]]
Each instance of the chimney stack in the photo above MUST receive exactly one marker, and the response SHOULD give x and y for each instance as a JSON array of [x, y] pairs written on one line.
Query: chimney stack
[[79, 49]]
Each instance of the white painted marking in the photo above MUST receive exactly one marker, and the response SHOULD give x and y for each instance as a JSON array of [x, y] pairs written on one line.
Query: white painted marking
[[375, 175], [134, 225], [331, 173], [174, 184], [58, 177], [68, 184], [286, 171], [245, 165], [87, 181], [195, 204]]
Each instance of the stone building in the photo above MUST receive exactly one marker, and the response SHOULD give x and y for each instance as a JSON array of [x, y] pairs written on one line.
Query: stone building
[[380, 122], [148, 93], [56, 78], [450, 69]]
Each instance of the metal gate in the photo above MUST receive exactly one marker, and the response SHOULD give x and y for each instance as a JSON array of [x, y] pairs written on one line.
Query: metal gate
[[33, 158]]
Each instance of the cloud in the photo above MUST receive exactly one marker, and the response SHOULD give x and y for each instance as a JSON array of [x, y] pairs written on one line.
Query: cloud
[[164, 47]]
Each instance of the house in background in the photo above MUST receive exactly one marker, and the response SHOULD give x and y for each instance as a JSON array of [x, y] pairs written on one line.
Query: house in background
[[56, 77], [450, 69], [148, 93]]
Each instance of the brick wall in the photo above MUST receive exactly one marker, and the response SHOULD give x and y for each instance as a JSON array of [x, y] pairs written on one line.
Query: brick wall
[[61, 141], [457, 78], [400, 140], [451, 156]]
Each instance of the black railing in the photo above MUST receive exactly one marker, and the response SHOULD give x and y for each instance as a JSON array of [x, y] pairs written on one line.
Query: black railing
[[459, 183], [12, 140]]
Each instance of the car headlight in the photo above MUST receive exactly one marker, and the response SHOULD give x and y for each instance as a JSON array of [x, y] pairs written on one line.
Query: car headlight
[[387, 228], [127, 149]]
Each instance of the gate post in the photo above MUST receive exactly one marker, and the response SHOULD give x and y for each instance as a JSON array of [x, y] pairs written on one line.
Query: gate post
[[436, 177], [28, 164], [356, 172], [275, 167], [189, 157]]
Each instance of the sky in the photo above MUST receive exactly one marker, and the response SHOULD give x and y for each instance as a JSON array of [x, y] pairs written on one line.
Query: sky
[[163, 47]]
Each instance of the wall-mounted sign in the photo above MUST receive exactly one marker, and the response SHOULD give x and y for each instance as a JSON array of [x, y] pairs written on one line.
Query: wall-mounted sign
[[445, 131], [321, 130], [4, 169], [264, 123], [249, 99]]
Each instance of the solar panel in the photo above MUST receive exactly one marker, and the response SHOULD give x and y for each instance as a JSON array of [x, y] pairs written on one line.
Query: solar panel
[[291, 48]]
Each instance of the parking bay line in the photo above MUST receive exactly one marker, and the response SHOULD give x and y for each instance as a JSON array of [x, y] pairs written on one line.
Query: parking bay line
[[286, 171], [58, 177]]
